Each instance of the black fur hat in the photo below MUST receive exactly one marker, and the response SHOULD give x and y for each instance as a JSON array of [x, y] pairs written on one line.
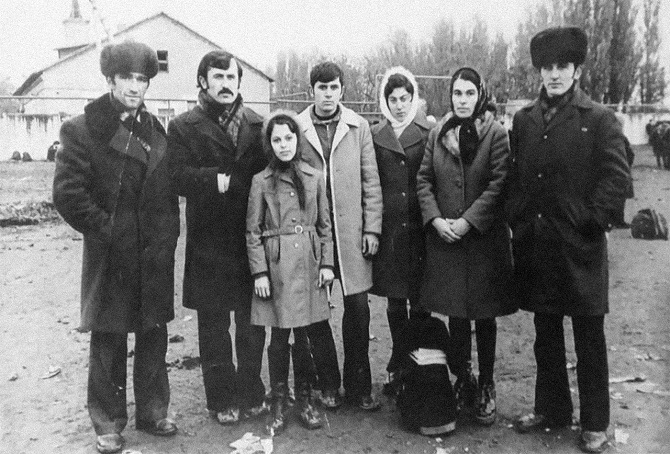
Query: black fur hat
[[128, 57], [559, 44]]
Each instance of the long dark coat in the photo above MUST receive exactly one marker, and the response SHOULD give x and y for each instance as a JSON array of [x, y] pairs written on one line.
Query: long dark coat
[[567, 179], [290, 245], [216, 270], [397, 268], [105, 188], [469, 278]]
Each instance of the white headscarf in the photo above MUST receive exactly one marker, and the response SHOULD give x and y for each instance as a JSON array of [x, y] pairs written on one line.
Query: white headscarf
[[415, 98]]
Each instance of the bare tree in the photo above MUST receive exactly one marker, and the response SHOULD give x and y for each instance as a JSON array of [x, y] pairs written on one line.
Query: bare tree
[[652, 75]]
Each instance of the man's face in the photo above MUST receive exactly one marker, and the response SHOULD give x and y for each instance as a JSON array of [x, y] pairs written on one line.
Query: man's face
[[129, 89], [557, 78], [327, 95], [222, 84]]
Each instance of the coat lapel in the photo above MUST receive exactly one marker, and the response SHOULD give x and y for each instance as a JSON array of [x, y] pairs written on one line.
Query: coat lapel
[[536, 114], [386, 138], [410, 136], [341, 131], [157, 153], [209, 128]]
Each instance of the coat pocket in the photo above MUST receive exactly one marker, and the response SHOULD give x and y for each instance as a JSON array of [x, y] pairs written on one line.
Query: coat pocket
[[272, 249], [316, 246]]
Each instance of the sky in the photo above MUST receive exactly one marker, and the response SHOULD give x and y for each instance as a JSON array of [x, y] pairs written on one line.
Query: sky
[[258, 30]]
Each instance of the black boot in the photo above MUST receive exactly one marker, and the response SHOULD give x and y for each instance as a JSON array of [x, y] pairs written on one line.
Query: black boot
[[486, 404], [465, 389], [396, 319], [278, 407], [309, 415]]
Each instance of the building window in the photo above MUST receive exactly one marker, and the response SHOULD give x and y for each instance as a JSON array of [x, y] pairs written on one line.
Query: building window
[[162, 60]]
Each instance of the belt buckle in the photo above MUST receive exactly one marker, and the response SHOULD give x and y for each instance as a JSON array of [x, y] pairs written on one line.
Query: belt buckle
[[298, 229]]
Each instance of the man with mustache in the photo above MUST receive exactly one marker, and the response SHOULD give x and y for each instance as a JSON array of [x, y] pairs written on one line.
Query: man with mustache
[[214, 151]]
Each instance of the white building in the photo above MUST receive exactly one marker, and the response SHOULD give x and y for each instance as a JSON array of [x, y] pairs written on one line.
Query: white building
[[172, 91]]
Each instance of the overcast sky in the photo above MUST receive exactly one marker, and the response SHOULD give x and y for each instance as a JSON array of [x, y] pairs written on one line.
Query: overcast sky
[[257, 30]]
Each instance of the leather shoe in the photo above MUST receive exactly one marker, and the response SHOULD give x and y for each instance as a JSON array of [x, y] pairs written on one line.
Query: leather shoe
[[368, 403], [109, 443], [331, 399], [227, 417], [532, 422], [163, 427], [593, 441]]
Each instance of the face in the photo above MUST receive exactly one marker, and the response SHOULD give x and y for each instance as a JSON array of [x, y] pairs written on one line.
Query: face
[[464, 96], [327, 95], [399, 102], [129, 89], [222, 84], [557, 78], [284, 142]]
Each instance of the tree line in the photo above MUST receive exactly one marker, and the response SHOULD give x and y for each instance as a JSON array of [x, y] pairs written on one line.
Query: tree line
[[622, 64]]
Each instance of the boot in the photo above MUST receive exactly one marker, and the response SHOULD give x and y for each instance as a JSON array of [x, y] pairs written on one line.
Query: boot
[[486, 404], [465, 389], [278, 408], [309, 415]]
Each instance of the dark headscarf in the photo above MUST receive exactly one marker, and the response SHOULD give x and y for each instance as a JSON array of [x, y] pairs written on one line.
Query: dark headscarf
[[467, 136]]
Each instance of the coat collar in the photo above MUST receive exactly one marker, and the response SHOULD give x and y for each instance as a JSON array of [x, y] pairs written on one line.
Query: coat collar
[[348, 119], [579, 101], [384, 136], [302, 165]]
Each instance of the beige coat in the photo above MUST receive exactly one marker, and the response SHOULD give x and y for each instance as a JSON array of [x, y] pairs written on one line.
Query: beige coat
[[290, 245], [355, 189]]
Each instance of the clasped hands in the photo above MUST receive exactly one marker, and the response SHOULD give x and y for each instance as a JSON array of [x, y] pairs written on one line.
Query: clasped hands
[[262, 283], [451, 230]]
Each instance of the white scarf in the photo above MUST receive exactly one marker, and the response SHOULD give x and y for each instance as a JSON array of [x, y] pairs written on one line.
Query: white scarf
[[399, 126]]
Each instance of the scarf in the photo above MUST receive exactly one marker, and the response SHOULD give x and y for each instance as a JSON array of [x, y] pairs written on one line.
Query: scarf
[[551, 106], [399, 126], [228, 116], [291, 169]]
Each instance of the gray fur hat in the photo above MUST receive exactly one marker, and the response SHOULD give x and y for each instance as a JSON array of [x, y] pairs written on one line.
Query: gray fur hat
[[128, 57]]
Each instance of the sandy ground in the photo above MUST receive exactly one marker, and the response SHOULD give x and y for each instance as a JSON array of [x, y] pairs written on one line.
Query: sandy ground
[[40, 267]]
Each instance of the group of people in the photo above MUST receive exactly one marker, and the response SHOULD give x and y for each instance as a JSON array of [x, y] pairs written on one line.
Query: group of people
[[456, 220]]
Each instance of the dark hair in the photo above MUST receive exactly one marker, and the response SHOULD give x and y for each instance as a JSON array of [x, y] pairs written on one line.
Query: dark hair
[[217, 59], [285, 118], [326, 71], [468, 74], [397, 81]]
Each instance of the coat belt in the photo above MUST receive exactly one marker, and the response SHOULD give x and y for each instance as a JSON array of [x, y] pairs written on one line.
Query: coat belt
[[288, 230]]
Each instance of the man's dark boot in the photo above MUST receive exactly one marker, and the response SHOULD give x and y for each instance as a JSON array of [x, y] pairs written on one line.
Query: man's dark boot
[[396, 319], [278, 408], [466, 389], [309, 415]]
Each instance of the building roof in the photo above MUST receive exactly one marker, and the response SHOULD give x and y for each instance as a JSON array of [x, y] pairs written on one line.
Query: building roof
[[27, 85]]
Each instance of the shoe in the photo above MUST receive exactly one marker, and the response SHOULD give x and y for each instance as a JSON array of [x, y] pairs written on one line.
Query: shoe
[[368, 403], [309, 415], [255, 412], [331, 399], [278, 408], [227, 417], [593, 441], [163, 427], [392, 385], [465, 389], [486, 405], [109, 443], [532, 422]]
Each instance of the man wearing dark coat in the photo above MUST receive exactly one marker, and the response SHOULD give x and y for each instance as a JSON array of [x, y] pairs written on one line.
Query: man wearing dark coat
[[112, 184], [568, 176], [214, 151]]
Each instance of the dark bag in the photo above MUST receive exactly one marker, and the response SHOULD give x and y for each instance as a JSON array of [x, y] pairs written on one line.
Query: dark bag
[[649, 225]]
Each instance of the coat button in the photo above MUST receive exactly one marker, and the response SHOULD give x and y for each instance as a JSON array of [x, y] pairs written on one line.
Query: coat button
[[404, 194], [540, 175], [295, 245], [292, 194], [544, 137], [404, 224], [459, 212], [402, 163], [293, 219], [539, 215]]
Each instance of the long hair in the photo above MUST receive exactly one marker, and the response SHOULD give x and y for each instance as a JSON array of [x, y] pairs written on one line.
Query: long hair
[[285, 117]]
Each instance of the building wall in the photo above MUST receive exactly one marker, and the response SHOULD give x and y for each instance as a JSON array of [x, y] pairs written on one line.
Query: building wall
[[80, 75]]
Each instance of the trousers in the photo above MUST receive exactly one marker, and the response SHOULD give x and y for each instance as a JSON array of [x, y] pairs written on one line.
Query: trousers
[[460, 348]]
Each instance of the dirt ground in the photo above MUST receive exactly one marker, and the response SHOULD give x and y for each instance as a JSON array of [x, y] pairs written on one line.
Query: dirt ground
[[40, 268]]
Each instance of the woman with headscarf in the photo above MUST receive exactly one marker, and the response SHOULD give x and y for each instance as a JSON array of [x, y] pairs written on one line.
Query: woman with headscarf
[[399, 142], [468, 258]]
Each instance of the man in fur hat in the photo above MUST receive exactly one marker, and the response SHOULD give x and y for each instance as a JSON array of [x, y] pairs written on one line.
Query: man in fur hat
[[568, 177], [112, 184], [214, 151]]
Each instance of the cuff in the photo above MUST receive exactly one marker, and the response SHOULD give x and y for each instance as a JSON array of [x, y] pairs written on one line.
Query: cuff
[[222, 181]]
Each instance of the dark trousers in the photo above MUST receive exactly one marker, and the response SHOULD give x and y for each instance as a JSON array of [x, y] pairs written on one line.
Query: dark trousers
[[225, 385], [107, 379], [397, 315], [279, 354], [552, 388], [324, 355], [460, 347]]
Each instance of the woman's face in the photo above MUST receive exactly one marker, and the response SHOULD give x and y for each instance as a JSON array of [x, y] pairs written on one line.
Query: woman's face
[[464, 96], [399, 102], [284, 142]]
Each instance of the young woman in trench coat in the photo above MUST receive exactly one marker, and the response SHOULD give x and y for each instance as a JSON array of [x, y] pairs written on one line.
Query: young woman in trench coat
[[468, 258]]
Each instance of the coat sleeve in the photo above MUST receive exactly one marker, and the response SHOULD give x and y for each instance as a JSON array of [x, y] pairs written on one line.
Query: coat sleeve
[[425, 182], [323, 226], [73, 185], [188, 178], [612, 170], [371, 187], [488, 206], [255, 220]]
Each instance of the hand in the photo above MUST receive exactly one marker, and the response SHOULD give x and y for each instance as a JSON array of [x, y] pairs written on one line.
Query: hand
[[262, 287], [370, 244], [443, 227], [460, 227], [326, 277]]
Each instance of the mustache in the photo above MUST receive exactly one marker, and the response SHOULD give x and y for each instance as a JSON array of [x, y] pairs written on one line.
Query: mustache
[[225, 91]]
